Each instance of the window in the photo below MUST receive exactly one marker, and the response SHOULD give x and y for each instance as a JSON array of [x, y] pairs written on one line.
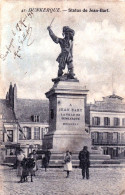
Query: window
[[26, 134], [100, 137], [10, 135], [116, 121], [115, 137], [110, 138], [95, 120], [106, 121], [122, 137], [35, 118], [123, 122], [105, 137], [37, 133], [44, 131], [94, 137]]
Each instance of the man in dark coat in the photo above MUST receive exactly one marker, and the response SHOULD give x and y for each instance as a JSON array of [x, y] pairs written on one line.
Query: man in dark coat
[[31, 165], [84, 162], [48, 154], [45, 162]]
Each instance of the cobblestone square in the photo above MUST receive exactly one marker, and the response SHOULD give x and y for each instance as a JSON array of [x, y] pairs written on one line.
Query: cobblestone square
[[103, 181]]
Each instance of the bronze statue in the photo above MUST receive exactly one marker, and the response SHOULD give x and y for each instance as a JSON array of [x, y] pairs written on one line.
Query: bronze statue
[[66, 55]]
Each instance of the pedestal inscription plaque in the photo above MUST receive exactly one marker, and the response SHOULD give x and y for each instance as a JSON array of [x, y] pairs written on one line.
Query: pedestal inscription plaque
[[67, 100]]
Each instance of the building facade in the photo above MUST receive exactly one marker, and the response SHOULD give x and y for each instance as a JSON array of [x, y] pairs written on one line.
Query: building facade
[[8, 129], [107, 125], [23, 123]]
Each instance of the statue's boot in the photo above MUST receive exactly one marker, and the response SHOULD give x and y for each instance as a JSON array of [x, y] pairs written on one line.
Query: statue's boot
[[60, 72], [71, 74]]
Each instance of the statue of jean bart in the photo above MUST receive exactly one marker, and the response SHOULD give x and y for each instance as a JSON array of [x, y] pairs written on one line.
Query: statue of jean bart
[[66, 55]]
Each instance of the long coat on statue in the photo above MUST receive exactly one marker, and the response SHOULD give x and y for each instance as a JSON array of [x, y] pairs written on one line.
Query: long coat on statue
[[65, 57]]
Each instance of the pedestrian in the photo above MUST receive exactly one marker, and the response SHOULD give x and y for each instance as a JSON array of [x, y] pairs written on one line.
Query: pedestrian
[[35, 157], [84, 162], [20, 157], [25, 171], [68, 163], [48, 154], [45, 161], [31, 166]]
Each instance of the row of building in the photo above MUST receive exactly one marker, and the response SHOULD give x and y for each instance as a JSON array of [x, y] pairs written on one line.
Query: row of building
[[24, 122], [107, 125]]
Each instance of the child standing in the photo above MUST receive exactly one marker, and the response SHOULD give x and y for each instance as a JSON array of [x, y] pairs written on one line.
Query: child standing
[[68, 163]]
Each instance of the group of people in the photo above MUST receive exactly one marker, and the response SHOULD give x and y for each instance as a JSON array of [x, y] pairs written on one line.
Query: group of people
[[28, 166], [84, 162]]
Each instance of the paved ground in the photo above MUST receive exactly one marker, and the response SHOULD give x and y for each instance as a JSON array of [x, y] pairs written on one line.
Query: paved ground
[[103, 181]]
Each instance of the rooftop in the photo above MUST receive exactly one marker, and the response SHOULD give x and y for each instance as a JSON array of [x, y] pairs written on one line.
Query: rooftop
[[111, 103], [28, 107], [6, 110]]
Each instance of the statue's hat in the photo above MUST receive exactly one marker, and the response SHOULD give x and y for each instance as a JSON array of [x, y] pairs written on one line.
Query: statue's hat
[[67, 29]]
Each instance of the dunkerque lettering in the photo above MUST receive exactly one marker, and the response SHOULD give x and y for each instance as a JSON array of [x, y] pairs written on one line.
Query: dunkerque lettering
[[67, 118]]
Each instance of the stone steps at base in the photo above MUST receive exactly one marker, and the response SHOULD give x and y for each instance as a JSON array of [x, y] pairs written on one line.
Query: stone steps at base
[[91, 161], [107, 166], [92, 166], [76, 166], [75, 157], [122, 160], [76, 162], [100, 156], [57, 159]]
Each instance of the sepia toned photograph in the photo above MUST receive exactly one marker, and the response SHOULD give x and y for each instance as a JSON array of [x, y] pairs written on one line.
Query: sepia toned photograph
[[62, 97]]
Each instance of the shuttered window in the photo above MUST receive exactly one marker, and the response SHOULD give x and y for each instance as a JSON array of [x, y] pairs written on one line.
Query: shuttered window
[[95, 137], [96, 120], [106, 121], [36, 133], [123, 122], [26, 134], [116, 121], [10, 135], [105, 137]]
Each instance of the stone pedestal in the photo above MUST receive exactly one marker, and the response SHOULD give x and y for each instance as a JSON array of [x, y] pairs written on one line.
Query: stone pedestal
[[67, 100]]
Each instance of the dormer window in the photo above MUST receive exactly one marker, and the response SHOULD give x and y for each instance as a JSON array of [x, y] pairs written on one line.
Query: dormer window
[[35, 118]]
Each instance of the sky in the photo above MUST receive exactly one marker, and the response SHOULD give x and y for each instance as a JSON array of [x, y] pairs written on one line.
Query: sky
[[98, 50]]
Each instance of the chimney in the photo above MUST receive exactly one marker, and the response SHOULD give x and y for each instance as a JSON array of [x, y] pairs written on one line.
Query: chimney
[[15, 97], [11, 95], [7, 96]]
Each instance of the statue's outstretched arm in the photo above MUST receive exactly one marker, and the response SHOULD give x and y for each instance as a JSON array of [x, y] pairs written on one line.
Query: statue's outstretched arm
[[53, 36]]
